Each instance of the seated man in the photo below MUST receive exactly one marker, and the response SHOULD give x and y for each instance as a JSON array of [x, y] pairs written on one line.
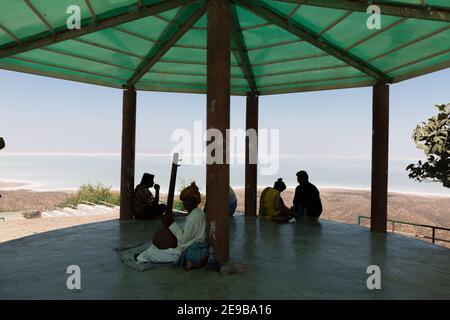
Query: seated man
[[192, 251], [146, 206], [307, 201], [272, 205]]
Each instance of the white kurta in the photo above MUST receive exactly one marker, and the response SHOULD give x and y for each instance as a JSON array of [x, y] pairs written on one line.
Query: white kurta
[[194, 230]]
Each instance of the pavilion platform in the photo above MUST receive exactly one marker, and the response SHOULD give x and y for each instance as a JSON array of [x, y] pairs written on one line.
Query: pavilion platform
[[307, 260]]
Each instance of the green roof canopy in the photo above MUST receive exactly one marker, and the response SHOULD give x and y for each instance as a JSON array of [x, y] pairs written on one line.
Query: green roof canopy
[[278, 46]]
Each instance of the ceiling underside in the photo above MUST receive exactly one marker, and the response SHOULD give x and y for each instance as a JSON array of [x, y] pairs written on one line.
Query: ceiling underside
[[278, 46]]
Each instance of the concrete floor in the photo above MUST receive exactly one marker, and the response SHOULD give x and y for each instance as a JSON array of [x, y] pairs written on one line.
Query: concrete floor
[[325, 260]]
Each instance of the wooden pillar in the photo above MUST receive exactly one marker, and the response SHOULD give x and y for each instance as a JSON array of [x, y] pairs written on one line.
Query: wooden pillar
[[218, 117], [128, 154], [251, 156], [380, 158]]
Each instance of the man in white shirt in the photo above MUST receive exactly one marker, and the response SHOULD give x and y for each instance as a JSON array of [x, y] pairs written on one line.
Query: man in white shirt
[[193, 230]]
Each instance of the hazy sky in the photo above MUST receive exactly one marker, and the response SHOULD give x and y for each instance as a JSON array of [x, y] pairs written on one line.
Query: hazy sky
[[39, 114]]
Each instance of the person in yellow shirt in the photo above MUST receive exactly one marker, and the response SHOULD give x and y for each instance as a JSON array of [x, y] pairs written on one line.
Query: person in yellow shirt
[[271, 205]]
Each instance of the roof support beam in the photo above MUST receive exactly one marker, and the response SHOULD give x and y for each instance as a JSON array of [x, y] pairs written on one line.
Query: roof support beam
[[9, 33], [380, 158], [62, 33], [392, 9], [241, 52], [185, 18], [39, 15], [283, 21], [91, 10], [128, 155], [218, 119]]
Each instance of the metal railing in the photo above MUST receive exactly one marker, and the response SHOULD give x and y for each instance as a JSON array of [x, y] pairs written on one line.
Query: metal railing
[[433, 228]]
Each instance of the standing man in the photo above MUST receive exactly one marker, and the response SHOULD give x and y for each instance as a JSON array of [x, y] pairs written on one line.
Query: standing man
[[307, 201], [146, 206]]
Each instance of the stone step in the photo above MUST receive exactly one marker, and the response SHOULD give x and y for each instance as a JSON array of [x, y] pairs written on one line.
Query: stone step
[[81, 210]]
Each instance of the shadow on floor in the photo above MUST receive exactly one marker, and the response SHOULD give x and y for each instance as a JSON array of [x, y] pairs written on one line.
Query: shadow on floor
[[322, 260]]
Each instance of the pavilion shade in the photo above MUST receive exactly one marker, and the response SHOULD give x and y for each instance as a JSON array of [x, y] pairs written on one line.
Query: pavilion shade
[[102, 7], [182, 68], [319, 21], [292, 65], [148, 28], [20, 20], [279, 60], [55, 12], [428, 63], [119, 42], [289, 52], [309, 76], [321, 85], [89, 51], [267, 36], [402, 34], [355, 30], [44, 57], [193, 40], [438, 3], [416, 52], [58, 72]]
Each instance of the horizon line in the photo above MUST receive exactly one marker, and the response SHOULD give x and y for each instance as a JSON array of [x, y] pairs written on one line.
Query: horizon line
[[158, 154]]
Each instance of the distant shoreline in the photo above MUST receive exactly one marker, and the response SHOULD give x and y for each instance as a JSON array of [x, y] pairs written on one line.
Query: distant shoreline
[[20, 185], [169, 155]]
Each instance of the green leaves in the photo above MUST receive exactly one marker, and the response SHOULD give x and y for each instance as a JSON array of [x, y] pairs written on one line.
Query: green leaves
[[94, 194], [433, 137]]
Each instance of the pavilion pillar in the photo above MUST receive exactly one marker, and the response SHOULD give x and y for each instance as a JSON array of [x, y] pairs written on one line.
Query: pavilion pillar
[[218, 121], [251, 155], [380, 158], [128, 154]]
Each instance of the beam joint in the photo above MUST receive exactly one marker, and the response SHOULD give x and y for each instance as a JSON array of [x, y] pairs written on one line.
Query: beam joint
[[185, 18]]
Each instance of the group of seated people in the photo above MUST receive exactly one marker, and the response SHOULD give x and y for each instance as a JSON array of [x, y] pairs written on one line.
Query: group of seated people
[[306, 204], [187, 246]]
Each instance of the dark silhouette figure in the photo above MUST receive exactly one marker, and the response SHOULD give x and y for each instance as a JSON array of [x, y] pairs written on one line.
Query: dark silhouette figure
[[272, 206], [147, 206], [2, 145], [307, 201]]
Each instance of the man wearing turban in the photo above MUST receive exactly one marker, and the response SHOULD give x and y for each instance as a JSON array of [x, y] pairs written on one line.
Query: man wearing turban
[[191, 236]]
